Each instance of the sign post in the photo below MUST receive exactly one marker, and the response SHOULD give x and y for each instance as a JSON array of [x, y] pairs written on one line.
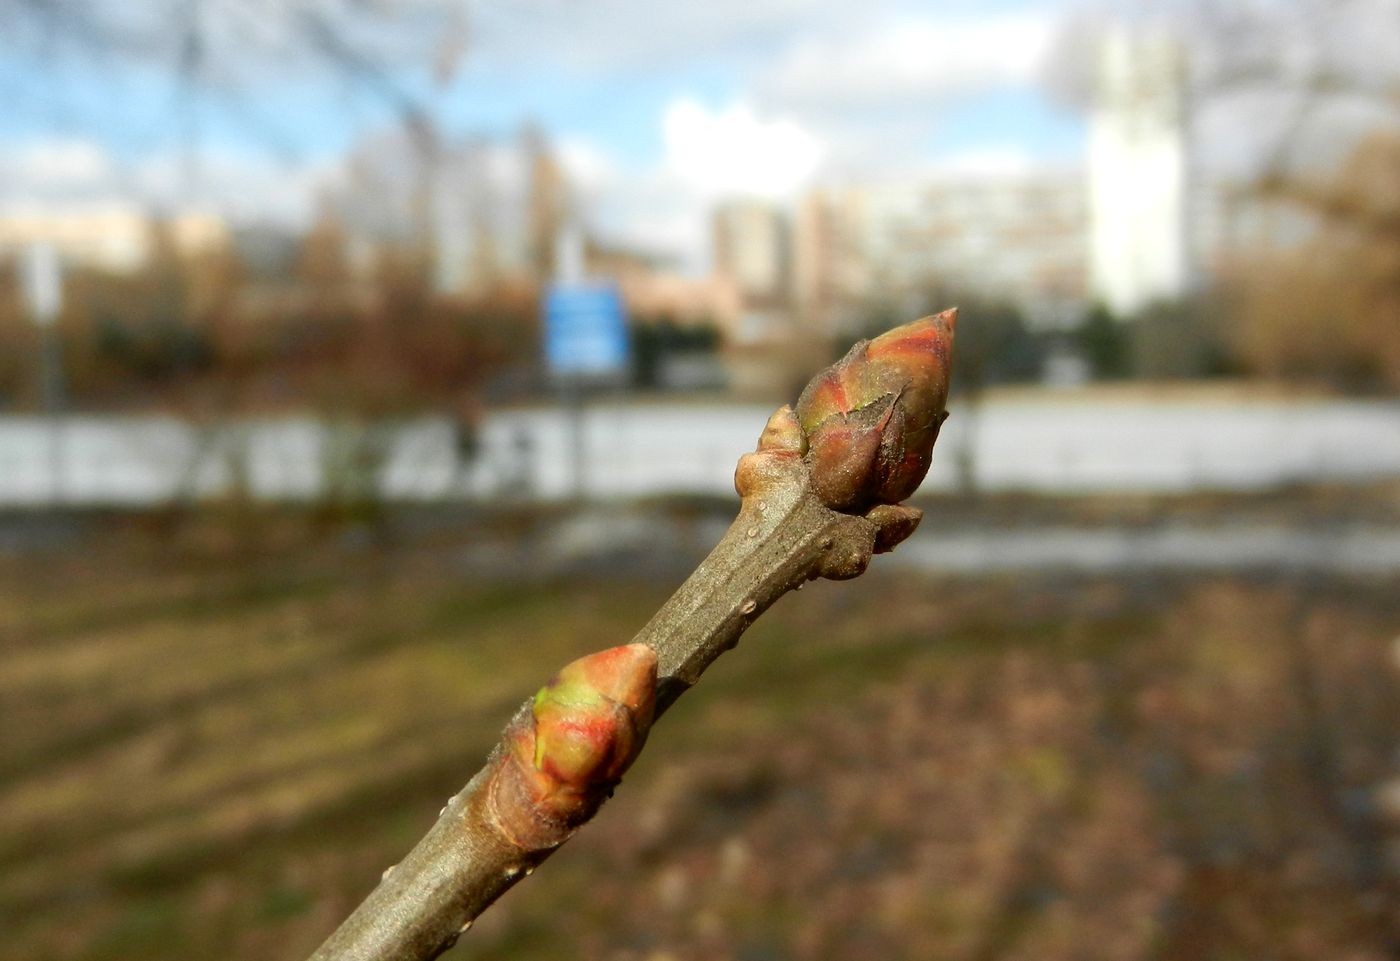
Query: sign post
[[585, 330], [41, 283], [585, 342]]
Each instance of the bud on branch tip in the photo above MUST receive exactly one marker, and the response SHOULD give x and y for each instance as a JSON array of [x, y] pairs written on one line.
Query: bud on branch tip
[[870, 420]]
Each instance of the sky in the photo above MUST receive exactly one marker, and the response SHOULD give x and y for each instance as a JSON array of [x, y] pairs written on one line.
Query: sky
[[657, 108]]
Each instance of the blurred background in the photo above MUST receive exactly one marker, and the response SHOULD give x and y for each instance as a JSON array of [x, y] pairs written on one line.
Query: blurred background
[[362, 361]]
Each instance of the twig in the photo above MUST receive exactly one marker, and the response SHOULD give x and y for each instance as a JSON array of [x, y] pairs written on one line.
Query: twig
[[819, 497]]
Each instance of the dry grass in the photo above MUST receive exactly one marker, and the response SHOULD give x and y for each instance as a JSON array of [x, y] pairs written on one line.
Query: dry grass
[[214, 754]]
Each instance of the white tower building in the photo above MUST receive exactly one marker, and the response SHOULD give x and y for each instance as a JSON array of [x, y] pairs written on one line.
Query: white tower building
[[1138, 249]]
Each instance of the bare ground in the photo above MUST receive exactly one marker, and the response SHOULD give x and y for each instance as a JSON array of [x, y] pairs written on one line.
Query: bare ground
[[214, 736]]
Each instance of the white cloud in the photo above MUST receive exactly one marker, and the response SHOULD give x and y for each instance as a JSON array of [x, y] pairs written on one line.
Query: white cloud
[[1000, 160], [59, 162], [611, 37], [709, 154], [59, 176], [870, 81], [589, 167], [880, 93], [242, 188], [734, 151], [46, 172], [912, 59]]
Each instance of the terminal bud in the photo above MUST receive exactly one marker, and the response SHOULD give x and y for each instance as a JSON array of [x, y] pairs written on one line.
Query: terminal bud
[[871, 419]]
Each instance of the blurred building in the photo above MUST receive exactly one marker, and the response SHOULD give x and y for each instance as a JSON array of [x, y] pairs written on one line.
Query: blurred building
[[485, 210], [753, 258], [112, 236], [755, 263], [1020, 239], [653, 292], [1128, 229], [1139, 190], [803, 278]]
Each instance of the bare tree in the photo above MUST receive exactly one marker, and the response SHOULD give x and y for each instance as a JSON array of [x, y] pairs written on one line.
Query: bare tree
[[1294, 116]]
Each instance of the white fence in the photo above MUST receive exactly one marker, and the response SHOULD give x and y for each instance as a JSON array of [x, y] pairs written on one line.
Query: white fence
[[1051, 443]]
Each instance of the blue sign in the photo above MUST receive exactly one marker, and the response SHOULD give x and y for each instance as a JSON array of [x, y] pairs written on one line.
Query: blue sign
[[585, 331]]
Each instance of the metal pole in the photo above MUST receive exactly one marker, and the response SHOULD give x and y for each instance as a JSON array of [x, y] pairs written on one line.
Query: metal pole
[[51, 372], [42, 283], [577, 452], [569, 269], [51, 385]]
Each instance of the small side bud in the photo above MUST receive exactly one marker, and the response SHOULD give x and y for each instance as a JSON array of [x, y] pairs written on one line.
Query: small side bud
[[779, 447], [871, 418], [566, 754], [783, 434], [893, 524], [592, 718]]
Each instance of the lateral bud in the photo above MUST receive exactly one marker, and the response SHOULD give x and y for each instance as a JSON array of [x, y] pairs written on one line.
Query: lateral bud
[[780, 447], [565, 754]]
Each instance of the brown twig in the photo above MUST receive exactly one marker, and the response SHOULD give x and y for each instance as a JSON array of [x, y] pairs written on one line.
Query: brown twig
[[819, 498]]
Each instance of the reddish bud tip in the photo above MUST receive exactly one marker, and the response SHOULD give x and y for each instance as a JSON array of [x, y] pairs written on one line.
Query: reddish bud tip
[[871, 419]]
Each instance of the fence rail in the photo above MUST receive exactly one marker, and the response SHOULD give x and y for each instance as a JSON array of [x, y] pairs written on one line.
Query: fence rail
[[1036, 444]]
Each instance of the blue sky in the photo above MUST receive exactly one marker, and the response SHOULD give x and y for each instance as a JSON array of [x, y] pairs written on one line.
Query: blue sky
[[658, 108]]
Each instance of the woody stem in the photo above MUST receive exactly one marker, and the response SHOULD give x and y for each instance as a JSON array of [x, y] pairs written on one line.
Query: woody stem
[[782, 538]]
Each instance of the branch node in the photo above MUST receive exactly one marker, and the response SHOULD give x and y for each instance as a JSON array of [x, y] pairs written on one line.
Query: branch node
[[850, 550], [893, 523]]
